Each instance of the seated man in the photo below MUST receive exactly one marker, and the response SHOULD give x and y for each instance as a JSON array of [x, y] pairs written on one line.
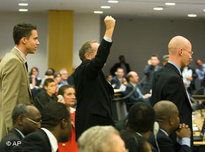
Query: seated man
[[167, 116], [101, 139], [26, 119], [118, 81], [134, 91], [56, 127]]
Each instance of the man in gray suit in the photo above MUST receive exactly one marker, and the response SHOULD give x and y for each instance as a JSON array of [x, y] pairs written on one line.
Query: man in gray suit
[[14, 84]]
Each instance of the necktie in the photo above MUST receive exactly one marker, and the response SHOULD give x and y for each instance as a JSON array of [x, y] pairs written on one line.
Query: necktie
[[26, 66]]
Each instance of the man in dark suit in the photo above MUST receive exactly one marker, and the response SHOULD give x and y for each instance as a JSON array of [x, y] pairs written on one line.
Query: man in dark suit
[[167, 116], [167, 82], [26, 119], [56, 127], [93, 92], [134, 91]]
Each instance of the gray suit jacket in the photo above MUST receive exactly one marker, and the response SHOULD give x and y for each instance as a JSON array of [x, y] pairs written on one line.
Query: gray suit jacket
[[14, 88]]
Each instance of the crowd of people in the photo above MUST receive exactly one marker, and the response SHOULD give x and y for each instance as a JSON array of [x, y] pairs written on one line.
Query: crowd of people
[[74, 113]]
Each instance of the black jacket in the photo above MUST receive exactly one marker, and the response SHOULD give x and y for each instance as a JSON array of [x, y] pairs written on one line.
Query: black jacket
[[93, 92]]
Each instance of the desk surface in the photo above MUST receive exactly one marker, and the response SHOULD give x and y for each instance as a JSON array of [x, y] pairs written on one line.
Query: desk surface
[[198, 119]]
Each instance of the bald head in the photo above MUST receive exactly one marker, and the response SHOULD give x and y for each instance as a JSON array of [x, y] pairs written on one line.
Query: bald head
[[178, 42], [164, 110]]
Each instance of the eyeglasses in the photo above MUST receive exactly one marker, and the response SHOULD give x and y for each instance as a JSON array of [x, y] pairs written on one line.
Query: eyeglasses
[[191, 52], [35, 122]]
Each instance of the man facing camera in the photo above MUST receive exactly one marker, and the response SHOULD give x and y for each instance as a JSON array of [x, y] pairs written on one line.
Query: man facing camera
[[93, 92], [26, 119], [167, 115], [14, 83]]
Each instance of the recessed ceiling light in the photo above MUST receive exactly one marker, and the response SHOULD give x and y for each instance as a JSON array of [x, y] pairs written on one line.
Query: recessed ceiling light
[[105, 7], [98, 12], [192, 15], [158, 8], [23, 10], [23, 4], [170, 4], [113, 1], [204, 10]]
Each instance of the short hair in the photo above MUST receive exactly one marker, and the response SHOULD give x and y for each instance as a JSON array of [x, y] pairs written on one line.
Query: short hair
[[96, 138], [141, 117], [62, 70], [47, 82], [133, 141], [86, 47], [62, 89], [19, 110], [22, 30], [53, 113], [56, 74]]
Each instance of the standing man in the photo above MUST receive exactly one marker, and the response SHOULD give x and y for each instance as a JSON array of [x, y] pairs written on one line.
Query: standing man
[[14, 83], [93, 92], [168, 83]]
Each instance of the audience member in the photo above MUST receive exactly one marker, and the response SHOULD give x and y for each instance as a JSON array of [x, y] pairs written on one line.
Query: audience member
[[48, 75], [153, 65], [93, 92], [14, 83], [56, 128], [118, 80], [165, 59], [68, 93], [64, 77], [121, 64], [34, 80], [101, 139], [168, 83], [167, 115], [57, 78], [200, 70], [26, 119], [135, 142], [109, 78], [134, 92], [46, 95]]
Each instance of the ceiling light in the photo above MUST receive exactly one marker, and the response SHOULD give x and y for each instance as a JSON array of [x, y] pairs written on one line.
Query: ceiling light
[[113, 1], [23, 4], [158, 8], [204, 10], [98, 12], [105, 7], [192, 15], [23, 10], [170, 4]]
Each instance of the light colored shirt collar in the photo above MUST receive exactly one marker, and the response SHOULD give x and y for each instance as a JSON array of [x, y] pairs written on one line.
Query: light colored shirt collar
[[175, 66], [52, 140], [22, 54], [164, 131], [19, 132], [134, 85]]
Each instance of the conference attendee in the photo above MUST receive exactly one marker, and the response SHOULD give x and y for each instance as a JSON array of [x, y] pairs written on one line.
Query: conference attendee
[[165, 59], [34, 79], [14, 83], [167, 115], [93, 92], [200, 70], [101, 139], [57, 78], [55, 127], [153, 66], [118, 80], [68, 94], [48, 75], [47, 94], [134, 91], [26, 119], [64, 77], [168, 83]]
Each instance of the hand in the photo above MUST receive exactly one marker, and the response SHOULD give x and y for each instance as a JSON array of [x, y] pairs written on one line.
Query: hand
[[147, 96], [183, 131], [110, 25], [189, 78]]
